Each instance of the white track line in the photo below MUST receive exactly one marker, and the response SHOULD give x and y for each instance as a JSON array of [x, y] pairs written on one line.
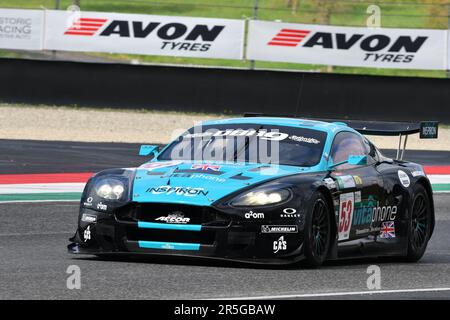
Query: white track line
[[37, 201], [335, 294]]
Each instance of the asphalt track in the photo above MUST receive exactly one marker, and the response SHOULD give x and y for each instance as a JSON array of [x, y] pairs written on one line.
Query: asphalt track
[[34, 259]]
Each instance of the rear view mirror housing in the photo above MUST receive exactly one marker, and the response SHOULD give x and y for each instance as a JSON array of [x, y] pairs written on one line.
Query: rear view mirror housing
[[353, 160], [147, 150]]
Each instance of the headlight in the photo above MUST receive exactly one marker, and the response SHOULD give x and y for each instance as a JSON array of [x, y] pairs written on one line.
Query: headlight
[[261, 197], [110, 189]]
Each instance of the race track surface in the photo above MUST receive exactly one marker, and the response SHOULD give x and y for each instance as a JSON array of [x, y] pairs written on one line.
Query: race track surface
[[34, 260]]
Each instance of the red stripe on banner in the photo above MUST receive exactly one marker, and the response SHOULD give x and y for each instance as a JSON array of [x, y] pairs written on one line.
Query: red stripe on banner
[[92, 20], [84, 24], [437, 169], [82, 29], [296, 31], [285, 39], [288, 35], [45, 178], [80, 33], [282, 44]]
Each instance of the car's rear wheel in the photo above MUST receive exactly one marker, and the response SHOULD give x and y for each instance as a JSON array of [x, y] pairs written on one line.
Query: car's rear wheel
[[317, 231], [420, 224]]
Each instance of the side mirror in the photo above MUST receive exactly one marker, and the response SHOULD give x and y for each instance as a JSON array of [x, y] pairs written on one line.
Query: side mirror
[[353, 160], [357, 160], [147, 150]]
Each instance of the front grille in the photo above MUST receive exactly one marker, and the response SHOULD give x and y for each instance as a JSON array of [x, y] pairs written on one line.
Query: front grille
[[201, 237], [149, 212]]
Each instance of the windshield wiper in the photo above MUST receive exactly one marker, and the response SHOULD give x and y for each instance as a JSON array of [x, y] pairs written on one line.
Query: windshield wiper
[[247, 142]]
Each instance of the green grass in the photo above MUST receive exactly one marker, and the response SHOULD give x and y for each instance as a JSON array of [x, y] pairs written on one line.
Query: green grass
[[395, 13]]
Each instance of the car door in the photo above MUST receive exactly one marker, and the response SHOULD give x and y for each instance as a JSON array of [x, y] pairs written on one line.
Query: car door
[[359, 190]]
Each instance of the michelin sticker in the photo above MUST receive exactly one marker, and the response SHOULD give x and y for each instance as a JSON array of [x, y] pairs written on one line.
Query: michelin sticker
[[404, 178]]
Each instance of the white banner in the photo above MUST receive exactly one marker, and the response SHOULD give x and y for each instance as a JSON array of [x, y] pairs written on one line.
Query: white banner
[[144, 34], [21, 29], [347, 46]]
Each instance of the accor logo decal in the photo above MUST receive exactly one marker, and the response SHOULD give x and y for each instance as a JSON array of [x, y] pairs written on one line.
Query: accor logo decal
[[371, 44], [174, 36]]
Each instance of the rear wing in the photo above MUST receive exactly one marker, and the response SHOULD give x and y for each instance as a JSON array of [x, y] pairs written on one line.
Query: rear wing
[[426, 129]]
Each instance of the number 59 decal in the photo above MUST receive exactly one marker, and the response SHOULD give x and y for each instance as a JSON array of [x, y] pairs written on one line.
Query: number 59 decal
[[346, 208]]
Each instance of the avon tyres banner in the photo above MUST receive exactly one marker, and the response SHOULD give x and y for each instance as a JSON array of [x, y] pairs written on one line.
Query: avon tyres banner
[[21, 29], [144, 34], [347, 46]]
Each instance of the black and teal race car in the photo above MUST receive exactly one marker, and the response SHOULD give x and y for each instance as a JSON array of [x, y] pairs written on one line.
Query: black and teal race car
[[263, 190]]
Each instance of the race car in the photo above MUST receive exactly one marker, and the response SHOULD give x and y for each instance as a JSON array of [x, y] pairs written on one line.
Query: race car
[[264, 189]]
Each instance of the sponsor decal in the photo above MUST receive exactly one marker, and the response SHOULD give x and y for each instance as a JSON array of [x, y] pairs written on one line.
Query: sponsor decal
[[175, 217], [254, 215], [346, 207], [418, 173], [330, 183], [279, 229], [178, 191], [404, 178], [87, 234], [369, 214], [164, 164], [387, 230], [262, 134], [358, 180], [190, 175], [346, 182], [289, 213], [88, 218], [349, 46], [145, 34], [205, 167], [288, 37], [21, 29], [279, 245], [429, 130], [304, 139], [85, 27], [88, 202], [101, 206]]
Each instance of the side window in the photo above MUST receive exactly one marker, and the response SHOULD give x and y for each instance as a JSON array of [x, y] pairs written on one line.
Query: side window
[[346, 144]]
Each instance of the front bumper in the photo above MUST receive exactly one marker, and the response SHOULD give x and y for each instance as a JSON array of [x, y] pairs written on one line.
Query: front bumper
[[212, 235]]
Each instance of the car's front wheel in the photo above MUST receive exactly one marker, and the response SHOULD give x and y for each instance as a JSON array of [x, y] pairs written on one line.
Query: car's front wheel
[[420, 228], [317, 231]]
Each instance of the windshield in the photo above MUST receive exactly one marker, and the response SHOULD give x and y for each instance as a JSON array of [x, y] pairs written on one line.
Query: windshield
[[253, 143]]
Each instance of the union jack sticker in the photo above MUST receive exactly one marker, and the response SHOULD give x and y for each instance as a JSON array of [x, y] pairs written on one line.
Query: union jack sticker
[[387, 230]]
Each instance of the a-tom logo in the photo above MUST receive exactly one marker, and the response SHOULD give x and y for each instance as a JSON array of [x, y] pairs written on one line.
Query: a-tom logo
[[254, 215]]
